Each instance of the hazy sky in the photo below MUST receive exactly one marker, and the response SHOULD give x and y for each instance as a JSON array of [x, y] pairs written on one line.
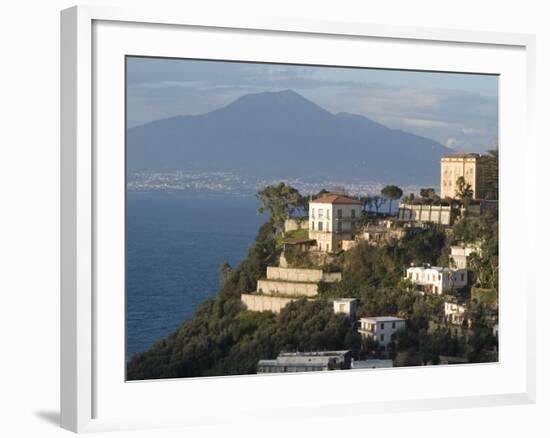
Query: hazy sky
[[457, 110]]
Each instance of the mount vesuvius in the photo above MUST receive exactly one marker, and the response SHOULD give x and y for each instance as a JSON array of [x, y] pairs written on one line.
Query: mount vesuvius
[[284, 135]]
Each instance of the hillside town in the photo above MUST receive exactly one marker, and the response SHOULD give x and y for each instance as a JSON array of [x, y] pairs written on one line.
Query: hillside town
[[339, 281], [313, 246]]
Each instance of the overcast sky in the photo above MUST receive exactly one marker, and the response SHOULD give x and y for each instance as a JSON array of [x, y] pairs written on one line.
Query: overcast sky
[[457, 110]]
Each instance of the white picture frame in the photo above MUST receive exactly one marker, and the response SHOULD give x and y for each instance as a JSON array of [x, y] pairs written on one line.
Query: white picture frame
[[92, 394]]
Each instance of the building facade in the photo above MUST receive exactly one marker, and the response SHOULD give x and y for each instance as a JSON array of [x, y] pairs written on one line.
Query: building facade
[[381, 328], [454, 312], [437, 280], [347, 306], [303, 362], [460, 253], [476, 170], [332, 219]]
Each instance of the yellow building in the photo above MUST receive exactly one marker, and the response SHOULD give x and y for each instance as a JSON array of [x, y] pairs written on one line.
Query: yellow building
[[477, 170]]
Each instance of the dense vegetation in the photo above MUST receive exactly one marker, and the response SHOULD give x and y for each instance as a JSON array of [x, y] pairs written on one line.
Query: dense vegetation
[[222, 338]]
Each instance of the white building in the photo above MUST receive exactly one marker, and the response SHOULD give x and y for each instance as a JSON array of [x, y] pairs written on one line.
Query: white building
[[437, 280], [381, 328], [303, 362], [332, 219], [347, 306], [454, 312], [460, 253]]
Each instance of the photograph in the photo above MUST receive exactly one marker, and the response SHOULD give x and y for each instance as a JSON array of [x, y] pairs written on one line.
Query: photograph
[[285, 218]]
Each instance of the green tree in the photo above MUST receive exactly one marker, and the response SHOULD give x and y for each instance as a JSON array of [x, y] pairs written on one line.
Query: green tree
[[367, 202], [409, 199], [429, 193], [481, 340], [392, 193], [464, 191], [281, 201], [491, 174], [321, 192], [378, 201], [224, 271]]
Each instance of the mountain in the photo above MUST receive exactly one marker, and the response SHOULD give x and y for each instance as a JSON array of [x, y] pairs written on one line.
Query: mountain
[[284, 135]]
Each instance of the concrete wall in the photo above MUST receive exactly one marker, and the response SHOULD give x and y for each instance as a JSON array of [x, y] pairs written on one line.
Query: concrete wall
[[329, 242], [379, 236], [296, 224], [261, 303], [287, 288], [348, 244], [304, 275], [439, 214], [332, 277]]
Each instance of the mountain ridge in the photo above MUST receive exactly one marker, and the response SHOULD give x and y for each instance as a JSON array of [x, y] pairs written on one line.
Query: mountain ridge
[[284, 135]]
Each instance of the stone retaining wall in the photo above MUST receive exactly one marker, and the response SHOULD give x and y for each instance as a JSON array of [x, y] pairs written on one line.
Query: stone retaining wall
[[439, 214], [303, 275], [261, 303], [296, 224], [288, 288]]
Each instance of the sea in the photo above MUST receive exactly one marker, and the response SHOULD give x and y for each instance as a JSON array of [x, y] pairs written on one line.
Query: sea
[[176, 242]]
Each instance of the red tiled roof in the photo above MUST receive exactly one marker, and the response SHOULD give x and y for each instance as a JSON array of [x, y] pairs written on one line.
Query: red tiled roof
[[336, 199]]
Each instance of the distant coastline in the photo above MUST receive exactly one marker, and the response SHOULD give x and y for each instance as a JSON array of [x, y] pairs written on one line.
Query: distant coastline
[[236, 184]]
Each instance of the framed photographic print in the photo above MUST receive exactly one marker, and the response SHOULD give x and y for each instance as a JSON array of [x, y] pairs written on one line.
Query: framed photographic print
[[269, 211]]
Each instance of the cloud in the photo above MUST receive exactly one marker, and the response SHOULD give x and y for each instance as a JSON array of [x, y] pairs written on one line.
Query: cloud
[[424, 123], [451, 143], [454, 109]]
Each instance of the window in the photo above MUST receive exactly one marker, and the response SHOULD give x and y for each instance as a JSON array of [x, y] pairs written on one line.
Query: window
[[320, 226], [328, 214], [382, 326], [320, 214], [381, 338], [353, 213], [339, 213], [393, 325], [312, 213], [462, 277], [339, 226], [312, 225]]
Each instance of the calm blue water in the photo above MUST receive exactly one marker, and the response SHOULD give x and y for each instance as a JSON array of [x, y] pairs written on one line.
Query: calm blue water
[[175, 245]]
